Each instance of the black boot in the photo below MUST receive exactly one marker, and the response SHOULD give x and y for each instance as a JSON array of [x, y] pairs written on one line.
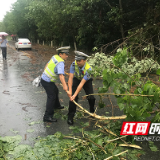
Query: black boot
[[70, 120], [49, 119], [92, 110], [60, 107]]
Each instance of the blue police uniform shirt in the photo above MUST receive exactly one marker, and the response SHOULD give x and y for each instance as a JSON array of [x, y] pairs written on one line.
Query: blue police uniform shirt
[[59, 69], [72, 70]]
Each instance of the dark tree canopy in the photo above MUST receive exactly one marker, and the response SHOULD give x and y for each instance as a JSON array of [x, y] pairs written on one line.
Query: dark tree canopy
[[88, 23]]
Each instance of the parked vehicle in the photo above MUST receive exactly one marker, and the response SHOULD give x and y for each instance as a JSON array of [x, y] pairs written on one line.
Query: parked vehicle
[[23, 43]]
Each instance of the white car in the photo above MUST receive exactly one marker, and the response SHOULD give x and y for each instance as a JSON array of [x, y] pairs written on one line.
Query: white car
[[23, 43]]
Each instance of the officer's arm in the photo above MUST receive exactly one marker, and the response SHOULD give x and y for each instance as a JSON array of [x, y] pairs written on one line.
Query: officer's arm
[[83, 81], [46, 66], [62, 79], [70, 82]]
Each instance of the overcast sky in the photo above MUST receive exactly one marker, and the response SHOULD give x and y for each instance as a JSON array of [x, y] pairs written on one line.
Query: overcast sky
[[5, 5]]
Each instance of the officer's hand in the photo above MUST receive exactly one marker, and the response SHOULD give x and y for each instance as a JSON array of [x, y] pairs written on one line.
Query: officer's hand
[[69, 93], [72, 98], [65, 88]]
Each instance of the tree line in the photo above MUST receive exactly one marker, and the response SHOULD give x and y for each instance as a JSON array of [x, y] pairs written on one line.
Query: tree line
[[86, 23]]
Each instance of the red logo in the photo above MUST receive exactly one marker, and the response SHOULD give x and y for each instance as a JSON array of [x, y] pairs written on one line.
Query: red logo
[[135, 128]]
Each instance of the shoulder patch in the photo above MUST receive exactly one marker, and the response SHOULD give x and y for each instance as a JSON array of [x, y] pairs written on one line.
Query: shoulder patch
[[73, 64]]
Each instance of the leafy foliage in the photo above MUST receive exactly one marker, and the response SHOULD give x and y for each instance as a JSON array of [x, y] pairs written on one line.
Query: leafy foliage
[[92, 145], [138, 107], [152, 146], [8, 144], [127, 64], [87, 23]]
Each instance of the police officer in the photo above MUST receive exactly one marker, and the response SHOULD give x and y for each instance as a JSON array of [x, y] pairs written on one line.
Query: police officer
[[54, 69], [78, 79]]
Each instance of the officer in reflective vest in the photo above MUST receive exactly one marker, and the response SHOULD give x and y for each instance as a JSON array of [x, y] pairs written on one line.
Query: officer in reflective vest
[[54, 69], [79, 78]]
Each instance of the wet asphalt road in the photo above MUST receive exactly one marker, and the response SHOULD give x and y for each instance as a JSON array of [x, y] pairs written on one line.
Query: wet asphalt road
[[22, 105]]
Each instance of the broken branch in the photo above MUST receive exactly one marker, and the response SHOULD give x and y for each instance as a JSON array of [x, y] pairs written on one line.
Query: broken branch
[[100, 117]]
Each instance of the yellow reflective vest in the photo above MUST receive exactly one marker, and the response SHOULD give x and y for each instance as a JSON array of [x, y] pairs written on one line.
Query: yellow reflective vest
[[49, 71], [77, 74]]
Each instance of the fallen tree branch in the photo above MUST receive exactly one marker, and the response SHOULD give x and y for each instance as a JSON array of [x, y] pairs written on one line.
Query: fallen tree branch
[[99, 146], [99, 117], [142, 95], [85, 140], [116, 139], [107, 130], [130, 145], [116, 155], [92, 153], [111, 104]]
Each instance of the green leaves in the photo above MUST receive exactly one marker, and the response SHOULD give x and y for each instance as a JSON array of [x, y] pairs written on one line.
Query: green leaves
[[30, 130], [151, 89], [152, 146], [32, 123], [12, 130], [75, 129], [99, 141], [158, 72], [124, 65], [59, 135], [58, 147], [8, 144], [156, 118], [121, 106], [120, 58], [122, 82], [79, 155]]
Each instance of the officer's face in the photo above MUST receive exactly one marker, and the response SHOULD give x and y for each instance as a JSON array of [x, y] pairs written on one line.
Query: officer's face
[[63, 56], [81, 63]]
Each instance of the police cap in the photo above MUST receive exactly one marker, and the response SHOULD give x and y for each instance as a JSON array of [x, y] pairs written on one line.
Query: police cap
[[63, 49], [80, 55]]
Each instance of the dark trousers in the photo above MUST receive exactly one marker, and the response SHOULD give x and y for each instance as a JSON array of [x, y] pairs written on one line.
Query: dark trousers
[[52, 97], [4, 52], [88, 88]]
